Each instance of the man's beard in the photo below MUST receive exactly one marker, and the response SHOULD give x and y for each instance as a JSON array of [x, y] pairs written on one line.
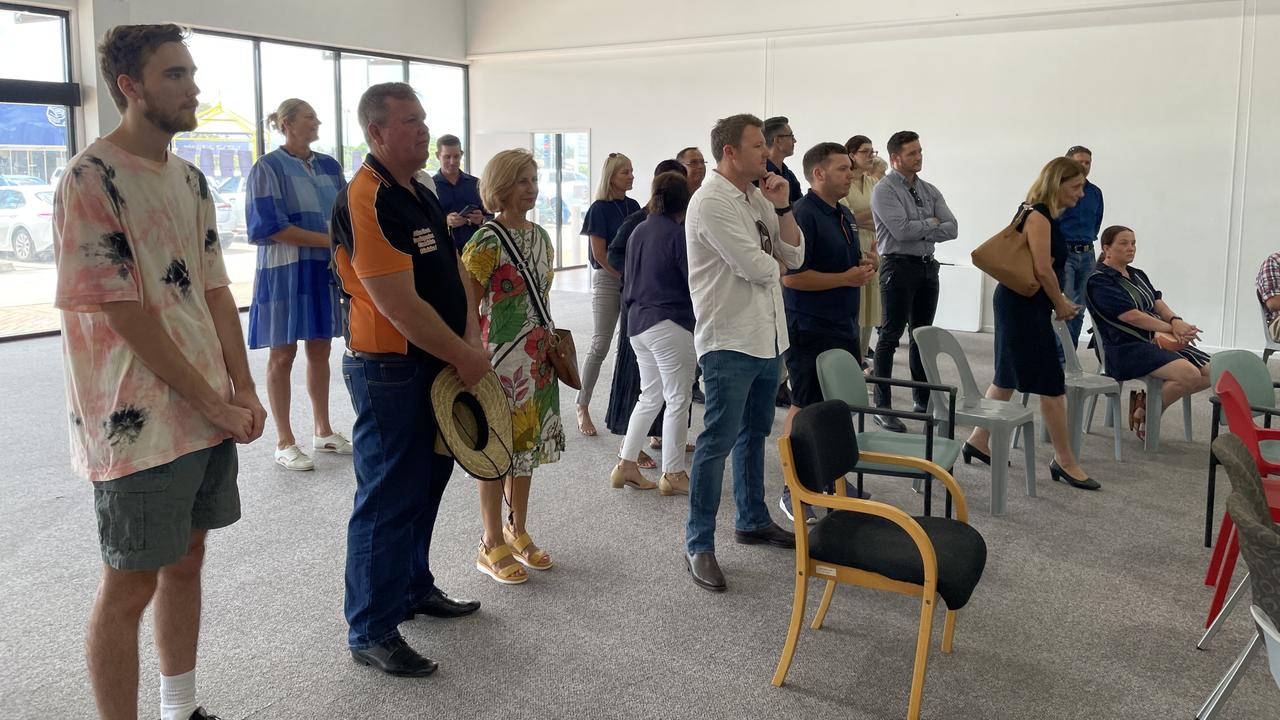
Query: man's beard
[[180, 120]]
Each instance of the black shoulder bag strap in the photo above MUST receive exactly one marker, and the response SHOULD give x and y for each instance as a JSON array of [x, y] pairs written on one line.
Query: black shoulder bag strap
[[522, 267]]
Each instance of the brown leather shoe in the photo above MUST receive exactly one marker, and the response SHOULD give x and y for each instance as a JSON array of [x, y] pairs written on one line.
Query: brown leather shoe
[[770, 535], [705, 571]]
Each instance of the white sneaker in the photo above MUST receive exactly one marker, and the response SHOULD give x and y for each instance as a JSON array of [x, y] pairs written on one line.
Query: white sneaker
[[334, 443], [291, 458]]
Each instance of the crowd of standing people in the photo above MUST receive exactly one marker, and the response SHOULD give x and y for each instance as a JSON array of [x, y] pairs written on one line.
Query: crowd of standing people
[[721, 282]]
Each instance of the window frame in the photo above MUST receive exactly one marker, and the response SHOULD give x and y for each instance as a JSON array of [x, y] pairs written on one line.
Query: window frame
[[338, 52], [36, 92]]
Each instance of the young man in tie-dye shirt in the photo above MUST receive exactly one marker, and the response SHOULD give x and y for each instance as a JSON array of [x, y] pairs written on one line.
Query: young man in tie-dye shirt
[[158, 386]]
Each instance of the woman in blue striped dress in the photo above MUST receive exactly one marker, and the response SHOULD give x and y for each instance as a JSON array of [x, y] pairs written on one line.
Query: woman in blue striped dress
[[290, 196]]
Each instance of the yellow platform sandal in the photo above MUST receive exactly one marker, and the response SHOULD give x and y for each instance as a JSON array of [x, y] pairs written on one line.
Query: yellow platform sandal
[[487, 563], [525, 552]]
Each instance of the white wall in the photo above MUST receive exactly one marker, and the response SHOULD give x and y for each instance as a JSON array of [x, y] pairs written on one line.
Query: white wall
[[1180, 106], [430, 29]]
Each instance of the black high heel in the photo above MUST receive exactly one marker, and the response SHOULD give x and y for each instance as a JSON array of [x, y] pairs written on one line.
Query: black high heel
[[1060, 475], [969, 452]]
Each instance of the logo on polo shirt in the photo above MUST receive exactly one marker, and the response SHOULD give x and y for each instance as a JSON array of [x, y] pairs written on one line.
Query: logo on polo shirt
[[425, 240]]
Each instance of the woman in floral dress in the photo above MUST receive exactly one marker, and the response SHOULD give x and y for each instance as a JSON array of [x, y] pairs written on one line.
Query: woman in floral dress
[[517, 341]]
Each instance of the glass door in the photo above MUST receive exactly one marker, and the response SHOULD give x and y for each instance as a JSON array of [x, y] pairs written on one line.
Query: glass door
[[564, 192]]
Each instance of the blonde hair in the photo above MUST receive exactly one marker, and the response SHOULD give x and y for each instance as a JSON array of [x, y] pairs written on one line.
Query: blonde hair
[[1046, 187], [287, 111], [500, 175], [611, 165]]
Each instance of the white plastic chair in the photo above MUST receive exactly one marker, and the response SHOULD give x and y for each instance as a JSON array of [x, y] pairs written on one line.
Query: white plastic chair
[[1271, 636], [1082, 387], [1000, 417]]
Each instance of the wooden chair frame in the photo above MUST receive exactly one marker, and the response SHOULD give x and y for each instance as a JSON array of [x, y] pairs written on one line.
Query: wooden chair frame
[[808, 568]]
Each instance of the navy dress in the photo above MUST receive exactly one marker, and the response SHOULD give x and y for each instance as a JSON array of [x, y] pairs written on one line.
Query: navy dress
[[1131, 352], [625, 391], [1026, 348]]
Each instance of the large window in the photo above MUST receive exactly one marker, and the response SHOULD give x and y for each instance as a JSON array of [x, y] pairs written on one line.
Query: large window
[[37, 101], [242, 80]]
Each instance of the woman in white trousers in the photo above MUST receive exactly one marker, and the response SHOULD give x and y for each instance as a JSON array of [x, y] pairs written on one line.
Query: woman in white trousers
[[660, 321]]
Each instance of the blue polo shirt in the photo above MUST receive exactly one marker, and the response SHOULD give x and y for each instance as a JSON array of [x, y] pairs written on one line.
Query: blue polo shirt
[[455, 197], [1081, 224], [830, 246], [795, 191]]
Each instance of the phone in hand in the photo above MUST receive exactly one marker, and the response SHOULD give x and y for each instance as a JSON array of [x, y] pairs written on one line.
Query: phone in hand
[[468, 210]]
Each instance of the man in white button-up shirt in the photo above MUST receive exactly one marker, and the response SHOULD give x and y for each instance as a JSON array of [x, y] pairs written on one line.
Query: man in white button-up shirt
[[739, 239]]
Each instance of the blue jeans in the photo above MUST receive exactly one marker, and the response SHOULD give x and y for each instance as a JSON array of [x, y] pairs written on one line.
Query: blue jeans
[[399, 482], [740, 391], [1075, 276]]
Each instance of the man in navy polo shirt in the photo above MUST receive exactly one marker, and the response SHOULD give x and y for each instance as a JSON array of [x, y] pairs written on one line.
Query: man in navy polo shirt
[[821, 297], [1080, 226], [458, 191]]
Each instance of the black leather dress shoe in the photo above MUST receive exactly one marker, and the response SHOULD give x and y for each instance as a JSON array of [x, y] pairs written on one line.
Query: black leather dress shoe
[[890, 423], [772, 535], [705, 571], [440, 605], [395, 657]]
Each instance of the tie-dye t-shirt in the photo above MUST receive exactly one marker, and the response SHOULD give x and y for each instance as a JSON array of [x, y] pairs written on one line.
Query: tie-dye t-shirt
[[128, 228]]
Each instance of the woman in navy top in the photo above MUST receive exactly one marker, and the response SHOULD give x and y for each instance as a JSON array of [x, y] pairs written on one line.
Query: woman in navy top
[[1129, 315], [660, 324], [604, 217], [1026, 349]]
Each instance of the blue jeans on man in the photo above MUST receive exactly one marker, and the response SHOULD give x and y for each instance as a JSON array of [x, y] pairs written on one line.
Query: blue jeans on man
[[740, 391], [399, 482], [1080, 265]]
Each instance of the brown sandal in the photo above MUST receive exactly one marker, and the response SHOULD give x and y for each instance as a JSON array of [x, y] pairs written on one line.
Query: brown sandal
[[1138, 413]]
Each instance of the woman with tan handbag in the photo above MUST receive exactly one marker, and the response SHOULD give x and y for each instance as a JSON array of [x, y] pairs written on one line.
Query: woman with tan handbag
[[510, 264], [1026, 351], [1140, 333]]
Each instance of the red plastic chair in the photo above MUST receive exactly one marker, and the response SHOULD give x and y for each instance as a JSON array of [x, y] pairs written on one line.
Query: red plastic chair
[[1235, 405]]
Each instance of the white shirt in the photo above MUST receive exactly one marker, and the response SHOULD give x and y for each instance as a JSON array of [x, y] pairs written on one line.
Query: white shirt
[[736, 287]]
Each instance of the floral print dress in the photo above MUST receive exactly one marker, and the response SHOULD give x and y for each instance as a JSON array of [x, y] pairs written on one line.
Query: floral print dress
[[517, 341]]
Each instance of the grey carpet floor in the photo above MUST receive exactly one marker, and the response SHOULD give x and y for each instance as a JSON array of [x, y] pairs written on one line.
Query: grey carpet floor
[[1090, 607]]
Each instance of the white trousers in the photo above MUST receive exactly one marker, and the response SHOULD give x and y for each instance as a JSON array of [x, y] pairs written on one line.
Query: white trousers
[[667, 363]]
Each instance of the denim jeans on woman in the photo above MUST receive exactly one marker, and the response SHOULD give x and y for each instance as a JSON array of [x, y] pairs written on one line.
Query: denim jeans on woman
[[740, 391]]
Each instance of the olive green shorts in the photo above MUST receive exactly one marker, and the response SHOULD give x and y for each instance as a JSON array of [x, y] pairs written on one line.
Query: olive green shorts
[[145, 519]]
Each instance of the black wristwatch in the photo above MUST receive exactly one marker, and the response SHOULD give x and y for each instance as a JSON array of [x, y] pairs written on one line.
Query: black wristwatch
[[782, 211]]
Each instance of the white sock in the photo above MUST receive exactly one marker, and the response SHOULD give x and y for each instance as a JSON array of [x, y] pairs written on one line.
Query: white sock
[[178, 696]]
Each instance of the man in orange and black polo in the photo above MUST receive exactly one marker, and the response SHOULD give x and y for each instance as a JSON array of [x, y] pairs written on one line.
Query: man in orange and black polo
[[406, 316]]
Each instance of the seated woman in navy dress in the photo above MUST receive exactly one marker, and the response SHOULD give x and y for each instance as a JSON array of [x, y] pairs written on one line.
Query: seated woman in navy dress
[[1131, 317]]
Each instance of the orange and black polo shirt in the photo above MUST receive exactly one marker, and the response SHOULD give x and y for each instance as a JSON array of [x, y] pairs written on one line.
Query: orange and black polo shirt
[[380, 227]]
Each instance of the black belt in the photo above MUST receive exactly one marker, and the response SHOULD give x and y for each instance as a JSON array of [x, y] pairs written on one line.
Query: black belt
[[378, 357], [1080, 247], [905, 256]]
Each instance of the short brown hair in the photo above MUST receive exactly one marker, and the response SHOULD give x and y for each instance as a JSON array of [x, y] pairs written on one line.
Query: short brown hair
[[1109, 235], [125, 50], [818, 154], [448, 140], [854, 143], [728, 131]]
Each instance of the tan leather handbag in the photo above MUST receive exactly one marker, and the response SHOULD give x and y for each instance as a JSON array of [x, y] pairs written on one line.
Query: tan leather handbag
[[1006, 257]]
